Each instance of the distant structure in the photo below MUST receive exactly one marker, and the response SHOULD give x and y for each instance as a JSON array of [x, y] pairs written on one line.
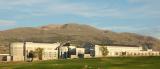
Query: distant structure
[[125, 50], [5, 57], [19, 51]]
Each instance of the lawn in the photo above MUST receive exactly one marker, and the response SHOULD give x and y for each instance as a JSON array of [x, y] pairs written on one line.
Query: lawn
[[94, 63]]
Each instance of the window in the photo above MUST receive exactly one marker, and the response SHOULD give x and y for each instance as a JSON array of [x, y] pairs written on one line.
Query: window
[[116, 53], [55, 54], [50, 54]]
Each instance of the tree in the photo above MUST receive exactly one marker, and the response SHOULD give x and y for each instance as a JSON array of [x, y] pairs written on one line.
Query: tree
[[123, 53], [104, 51], [39, 52]]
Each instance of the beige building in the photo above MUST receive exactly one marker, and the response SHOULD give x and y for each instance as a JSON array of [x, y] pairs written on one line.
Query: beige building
[[79, 53], [125, 50], [5, 57], [20, 50]]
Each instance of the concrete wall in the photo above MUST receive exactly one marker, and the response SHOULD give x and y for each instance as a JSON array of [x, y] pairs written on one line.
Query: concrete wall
[[129, 51], [17, 51], [73, 56], [50, 55], [87, 56], [123, 48], [80, 51], [98, 52], [49, 50]]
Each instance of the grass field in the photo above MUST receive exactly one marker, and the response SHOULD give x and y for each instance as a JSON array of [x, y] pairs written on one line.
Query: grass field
[[98, 63]]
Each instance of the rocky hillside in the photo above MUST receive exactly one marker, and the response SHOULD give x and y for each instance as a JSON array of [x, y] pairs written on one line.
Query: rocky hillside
[[75, 33]]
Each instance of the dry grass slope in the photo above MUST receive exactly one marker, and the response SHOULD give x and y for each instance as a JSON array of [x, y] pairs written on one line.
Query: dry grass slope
[[76, 33]]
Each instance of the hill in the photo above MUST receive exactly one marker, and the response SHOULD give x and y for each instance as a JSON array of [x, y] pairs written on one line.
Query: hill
[[75, 33]]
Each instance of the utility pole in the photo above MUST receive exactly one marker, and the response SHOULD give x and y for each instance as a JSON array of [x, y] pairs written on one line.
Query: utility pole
[[24, 50], [11, 56]]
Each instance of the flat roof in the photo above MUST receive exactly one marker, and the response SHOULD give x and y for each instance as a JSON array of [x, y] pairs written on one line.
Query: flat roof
[[121, 45], [4, 54]]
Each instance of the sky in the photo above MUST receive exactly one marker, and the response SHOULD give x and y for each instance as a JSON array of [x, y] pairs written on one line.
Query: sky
[[136, 16]]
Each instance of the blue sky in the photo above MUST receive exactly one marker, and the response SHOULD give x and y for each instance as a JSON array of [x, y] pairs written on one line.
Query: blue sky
[[137, 16]]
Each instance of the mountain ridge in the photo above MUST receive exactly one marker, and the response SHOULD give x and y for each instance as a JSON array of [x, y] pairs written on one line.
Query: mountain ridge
[[76, 33]]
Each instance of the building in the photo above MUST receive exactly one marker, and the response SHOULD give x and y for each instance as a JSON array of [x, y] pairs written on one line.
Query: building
[[20, 51], [5, 57], [72, 52], [63, 52], [125, 50]]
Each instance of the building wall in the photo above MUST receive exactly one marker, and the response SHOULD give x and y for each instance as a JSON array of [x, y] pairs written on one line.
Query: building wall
[[87, 56], [17, 52], [50, 55], [129, 51], [118, 50], [123, 48], [64, 49], [49, 50], [98, 52], [79, 51]]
